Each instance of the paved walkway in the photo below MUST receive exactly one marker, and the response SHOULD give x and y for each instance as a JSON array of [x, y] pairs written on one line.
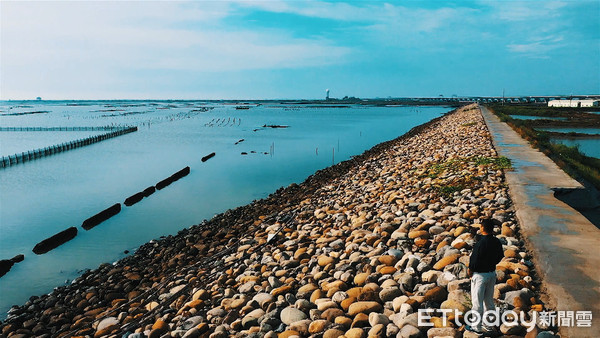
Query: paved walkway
[[565, 245]]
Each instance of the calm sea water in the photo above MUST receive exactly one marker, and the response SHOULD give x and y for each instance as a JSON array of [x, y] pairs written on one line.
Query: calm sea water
[[45, 196]]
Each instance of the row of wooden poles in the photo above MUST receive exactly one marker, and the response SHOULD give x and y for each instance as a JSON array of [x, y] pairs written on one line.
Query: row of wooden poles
[[7, 161], [101, 128]]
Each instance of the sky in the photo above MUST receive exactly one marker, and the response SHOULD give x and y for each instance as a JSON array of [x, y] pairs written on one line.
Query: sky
[[297, 49]]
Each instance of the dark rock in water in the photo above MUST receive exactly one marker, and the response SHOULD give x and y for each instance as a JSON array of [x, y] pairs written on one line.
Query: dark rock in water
[[18, 258], [101, 216], [5, 266], [54, 241], [133, 199], [181, 173], [164, 183], [274, 126], [244, 153], [149, 191], [207, 157]]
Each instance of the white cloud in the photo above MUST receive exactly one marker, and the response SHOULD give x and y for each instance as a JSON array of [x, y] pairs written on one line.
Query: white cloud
[[94, 41], [538, 48], [514, 11]]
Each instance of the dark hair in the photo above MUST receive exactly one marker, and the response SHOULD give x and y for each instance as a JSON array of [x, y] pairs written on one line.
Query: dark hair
[[488, 225]]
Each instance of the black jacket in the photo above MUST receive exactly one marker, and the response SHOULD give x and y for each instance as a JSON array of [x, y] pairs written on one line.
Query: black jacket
[[487, 252]]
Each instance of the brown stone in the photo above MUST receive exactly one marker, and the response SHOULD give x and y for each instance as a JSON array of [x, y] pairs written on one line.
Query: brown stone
[[345, 304], [387, 270], [436, 294], [446, 261], [318, 326], [364, 307], [325, 260], [387, 260], [361, 278], [418, 234], [333, 333], [331, 314], [345, 322], [317, 294], [355, 333], [281, 290], [422, 243], [354, 292], [360, 320], [288, 333], [507, 231]]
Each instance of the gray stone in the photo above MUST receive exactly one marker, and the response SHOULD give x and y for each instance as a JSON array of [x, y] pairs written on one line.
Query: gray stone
[[392, 330], [216, 312], [263, 298], [192, 322], [193, 333], [106, 322], [512, 329], [274, 282], [524, 293], [378, 318], [410, 331], [290, 315], [388, 294], [443, 332]]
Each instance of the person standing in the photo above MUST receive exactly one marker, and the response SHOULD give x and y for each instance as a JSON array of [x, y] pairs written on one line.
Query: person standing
[[487, 252]]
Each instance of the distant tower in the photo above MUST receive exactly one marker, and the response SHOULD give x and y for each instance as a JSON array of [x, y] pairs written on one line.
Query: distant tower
[[326, 94]]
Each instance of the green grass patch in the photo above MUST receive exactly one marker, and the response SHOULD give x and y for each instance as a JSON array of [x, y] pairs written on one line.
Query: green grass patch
[[469, 124], [494, 162], [453, 176]]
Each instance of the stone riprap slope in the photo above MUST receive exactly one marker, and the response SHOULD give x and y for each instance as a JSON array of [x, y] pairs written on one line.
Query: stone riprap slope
[[355, 250]]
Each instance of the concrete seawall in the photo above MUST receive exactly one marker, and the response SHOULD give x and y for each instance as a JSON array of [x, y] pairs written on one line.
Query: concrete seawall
[[566, 245]]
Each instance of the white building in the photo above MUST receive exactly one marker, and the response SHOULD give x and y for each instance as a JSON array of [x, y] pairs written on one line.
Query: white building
[[573, 103]]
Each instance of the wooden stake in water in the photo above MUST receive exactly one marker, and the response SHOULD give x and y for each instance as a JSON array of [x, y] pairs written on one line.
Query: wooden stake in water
[[333, 156]]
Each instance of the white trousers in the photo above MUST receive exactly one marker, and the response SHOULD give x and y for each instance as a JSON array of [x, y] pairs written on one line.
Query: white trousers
[[482, 293]]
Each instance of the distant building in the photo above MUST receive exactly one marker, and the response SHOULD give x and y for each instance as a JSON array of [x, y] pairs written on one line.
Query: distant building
[[573, 103]]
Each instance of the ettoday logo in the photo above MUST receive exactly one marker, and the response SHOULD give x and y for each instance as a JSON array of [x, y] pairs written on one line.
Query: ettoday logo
[[493, 318]]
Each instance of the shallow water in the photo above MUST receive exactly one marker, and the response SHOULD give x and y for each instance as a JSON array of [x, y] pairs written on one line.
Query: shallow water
[[572, 129], [16, 142], [590, 147], [45, 196], [528, 117]]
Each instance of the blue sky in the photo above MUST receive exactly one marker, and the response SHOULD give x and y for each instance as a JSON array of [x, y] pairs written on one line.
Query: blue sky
[[297, 49]]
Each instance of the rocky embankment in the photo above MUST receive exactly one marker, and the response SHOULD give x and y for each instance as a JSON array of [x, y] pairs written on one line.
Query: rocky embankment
[[353, 251]]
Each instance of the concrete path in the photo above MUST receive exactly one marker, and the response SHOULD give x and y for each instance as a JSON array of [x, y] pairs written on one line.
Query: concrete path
[[565, 245]]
